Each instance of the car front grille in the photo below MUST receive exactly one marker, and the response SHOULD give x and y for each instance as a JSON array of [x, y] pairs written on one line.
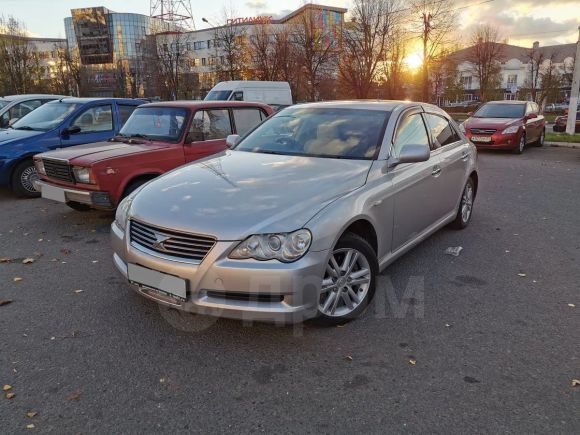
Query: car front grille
[[482, 131], [171, 243], [58, 169]]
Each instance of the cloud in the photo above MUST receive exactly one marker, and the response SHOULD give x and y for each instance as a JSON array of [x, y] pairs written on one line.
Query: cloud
[[256, 4]]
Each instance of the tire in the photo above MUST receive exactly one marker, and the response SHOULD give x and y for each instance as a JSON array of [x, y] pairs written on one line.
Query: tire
[[519, 149], [78, 206], [540, 141], [131, 187], [465, 210], [22, 178], [338, 305]]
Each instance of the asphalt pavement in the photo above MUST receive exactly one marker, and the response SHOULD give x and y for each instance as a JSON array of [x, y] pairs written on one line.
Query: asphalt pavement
[[486, 342]]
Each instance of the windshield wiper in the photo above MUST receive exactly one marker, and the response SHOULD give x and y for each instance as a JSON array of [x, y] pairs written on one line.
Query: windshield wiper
[[138, 136], [25, 127]]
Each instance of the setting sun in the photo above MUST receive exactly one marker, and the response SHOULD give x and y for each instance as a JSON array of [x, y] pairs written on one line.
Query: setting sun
[[414, 61]]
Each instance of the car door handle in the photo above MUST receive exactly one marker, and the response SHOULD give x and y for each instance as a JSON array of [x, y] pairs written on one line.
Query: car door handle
[[464, 155], [436, 171]]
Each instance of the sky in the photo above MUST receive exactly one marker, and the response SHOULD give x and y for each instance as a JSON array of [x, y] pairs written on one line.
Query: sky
[[520, 21]]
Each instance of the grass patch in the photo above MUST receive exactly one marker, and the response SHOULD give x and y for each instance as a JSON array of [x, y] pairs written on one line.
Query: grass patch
[[562, 137]]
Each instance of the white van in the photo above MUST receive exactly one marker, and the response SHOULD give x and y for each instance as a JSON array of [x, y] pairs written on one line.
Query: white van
[[276, 94]]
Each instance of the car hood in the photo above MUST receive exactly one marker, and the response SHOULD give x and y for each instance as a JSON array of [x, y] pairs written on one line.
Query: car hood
[[98, 151], [491, 123], [11, 135], [236, 194]]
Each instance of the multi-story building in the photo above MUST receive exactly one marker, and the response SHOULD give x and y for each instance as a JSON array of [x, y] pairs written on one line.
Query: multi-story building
[[516, 70]]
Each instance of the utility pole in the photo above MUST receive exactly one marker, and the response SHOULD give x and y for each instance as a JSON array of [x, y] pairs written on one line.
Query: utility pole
[[571, 124], [426, 34]]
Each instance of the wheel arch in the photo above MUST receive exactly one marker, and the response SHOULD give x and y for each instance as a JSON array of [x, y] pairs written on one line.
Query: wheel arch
[[475, 177], [147, 176], [364, 228], [17, 161]]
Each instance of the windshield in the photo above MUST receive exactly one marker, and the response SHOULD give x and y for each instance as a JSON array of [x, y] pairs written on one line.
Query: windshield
[[218, 96], [501, 111], [159, 123], [46, 117], [4, 103], [319, 132]]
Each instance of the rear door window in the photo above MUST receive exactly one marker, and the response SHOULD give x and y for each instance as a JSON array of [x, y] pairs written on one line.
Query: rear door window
[[211, 125], [441, 130], [246, 119]]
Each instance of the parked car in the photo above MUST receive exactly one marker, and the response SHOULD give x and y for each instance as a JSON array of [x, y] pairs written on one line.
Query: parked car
[[275, 94], [506, 125], [57, 124], [14, 107], [299, 218], [561, 121], [156, 138]]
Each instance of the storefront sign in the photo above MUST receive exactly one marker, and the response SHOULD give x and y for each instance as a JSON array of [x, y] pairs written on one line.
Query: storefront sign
[[251, 20]]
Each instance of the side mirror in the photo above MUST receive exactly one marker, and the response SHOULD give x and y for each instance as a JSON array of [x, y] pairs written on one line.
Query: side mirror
[[411, 154], [232, 140], [75, 129]]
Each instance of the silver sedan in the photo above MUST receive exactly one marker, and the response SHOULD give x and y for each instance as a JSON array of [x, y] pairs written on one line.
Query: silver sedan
[[297, 219]]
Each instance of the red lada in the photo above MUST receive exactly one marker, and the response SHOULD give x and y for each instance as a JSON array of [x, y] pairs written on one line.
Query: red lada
[[156, 138], [509, 125]]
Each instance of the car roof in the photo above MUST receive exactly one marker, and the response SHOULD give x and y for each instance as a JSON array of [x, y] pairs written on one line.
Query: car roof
[[508, 102], [386, 105], [23, 97], [196, 104], [90, 100]]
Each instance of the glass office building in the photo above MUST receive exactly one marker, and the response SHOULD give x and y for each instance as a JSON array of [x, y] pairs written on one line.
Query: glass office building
[[109, 46]]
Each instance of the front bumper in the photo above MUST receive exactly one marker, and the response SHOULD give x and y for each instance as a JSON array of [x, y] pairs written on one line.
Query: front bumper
[[250, 290], [497, 141], [95, 199]]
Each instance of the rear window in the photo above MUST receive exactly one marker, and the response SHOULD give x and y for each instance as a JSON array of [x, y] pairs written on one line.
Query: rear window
[[491, 110]]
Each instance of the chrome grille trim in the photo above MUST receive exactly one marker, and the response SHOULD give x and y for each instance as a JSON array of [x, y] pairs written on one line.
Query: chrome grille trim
[[482, 131], [58, 169], [170, 243]]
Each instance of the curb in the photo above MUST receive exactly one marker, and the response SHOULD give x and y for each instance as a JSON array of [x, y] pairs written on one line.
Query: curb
[[564, 145]]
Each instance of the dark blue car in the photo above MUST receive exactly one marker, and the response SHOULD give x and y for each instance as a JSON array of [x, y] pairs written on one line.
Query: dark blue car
[[58, 124]]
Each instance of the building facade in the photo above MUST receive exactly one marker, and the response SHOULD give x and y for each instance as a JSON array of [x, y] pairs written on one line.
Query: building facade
[[517, 71]]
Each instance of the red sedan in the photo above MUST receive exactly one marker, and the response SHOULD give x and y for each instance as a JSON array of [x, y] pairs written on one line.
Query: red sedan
[[509, 125]]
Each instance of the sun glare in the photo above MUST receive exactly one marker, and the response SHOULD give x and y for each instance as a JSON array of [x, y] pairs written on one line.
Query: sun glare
[[414, 61]]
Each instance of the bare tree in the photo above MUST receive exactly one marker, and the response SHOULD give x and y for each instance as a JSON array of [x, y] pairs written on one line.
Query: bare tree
[[265, 60], [317, 49], [20, 67], [231, 46], [434, 22], [392, 69], [485, 57], [367, 39], [66, 74]]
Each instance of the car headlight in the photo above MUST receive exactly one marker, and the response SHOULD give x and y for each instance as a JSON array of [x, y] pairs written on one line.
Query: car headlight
[[122, 213], [284, 247], [462, 128], [82, 174], [511, 130], [39, 166]]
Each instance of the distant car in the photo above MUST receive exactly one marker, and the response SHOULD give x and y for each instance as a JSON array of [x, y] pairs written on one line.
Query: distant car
[[57, 124], [507, 125], [561, 121], [299, 218], [276, 94], [14, 107], [156, 138]]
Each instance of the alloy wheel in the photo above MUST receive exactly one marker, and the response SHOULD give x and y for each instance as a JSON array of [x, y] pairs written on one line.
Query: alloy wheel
[[346, 282], [467, 203], [27, 179]]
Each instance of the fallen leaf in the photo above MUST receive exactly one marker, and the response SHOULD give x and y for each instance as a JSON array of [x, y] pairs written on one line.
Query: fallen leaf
[[412, 361], [28, 261], [65, 251], [454, 250], [5, 260], [348, 357], [79, 291], [448, 325], [95, 261], [31, 414], [6, 387], [5, 301], [40, 240], [30, 426], [75, 395], [10, 396], [17, 279], [572, 305], [522, 274], [575, 383]]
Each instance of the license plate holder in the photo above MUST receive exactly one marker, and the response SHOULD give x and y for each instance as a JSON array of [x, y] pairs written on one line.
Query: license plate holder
[[53, 193], [484, 139], [164, 283]]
